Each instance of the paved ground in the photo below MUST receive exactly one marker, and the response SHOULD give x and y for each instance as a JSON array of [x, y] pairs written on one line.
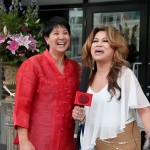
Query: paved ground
[[3, 147]]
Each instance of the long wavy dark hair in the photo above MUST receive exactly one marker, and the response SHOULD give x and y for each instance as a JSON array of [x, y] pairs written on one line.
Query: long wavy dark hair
[[120, 46]]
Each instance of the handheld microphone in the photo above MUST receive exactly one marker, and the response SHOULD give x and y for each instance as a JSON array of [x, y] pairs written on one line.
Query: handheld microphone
[[82, 98], [84, 79]]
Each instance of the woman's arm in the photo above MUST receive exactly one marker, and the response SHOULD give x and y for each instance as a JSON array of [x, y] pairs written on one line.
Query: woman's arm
[[24, 143], [145, 117]]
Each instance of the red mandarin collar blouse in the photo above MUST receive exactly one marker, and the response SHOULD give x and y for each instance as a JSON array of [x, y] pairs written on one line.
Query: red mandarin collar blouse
[[44, 101]]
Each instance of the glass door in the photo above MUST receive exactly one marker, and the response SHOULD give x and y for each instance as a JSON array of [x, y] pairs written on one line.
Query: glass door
[[131, 21]]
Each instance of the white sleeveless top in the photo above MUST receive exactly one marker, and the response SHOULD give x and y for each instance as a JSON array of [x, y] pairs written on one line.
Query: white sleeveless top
[[106, 118]]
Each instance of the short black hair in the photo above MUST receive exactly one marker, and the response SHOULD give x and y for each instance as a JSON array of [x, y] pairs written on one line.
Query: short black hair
[[54, 22]]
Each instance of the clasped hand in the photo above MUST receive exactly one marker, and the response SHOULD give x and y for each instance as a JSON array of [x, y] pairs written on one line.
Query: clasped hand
[[78, 113]]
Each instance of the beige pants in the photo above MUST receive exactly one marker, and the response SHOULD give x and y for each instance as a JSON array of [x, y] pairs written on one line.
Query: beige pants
[[131, 138]]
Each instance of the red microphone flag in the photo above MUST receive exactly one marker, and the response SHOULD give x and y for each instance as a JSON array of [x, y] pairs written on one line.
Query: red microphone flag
[[83, 99]]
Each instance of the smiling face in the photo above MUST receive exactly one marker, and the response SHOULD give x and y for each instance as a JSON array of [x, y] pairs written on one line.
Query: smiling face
[[101, 50], [58, 40]]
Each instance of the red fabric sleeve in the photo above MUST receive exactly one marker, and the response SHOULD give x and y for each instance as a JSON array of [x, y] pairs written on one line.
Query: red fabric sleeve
[[25, 89]]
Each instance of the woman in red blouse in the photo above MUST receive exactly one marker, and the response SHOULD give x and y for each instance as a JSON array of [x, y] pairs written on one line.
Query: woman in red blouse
[[45, 91]]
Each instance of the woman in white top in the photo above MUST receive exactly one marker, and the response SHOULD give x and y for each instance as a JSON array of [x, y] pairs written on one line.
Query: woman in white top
[[119, 105]]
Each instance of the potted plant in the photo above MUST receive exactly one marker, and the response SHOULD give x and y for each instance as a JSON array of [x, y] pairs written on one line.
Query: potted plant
[[20, 36]]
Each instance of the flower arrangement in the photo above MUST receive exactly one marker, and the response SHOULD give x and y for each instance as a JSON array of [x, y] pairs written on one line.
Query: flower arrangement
[[20, 36]]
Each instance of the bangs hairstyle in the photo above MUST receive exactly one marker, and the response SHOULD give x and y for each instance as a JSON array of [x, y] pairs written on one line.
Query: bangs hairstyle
[[54, 22]]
